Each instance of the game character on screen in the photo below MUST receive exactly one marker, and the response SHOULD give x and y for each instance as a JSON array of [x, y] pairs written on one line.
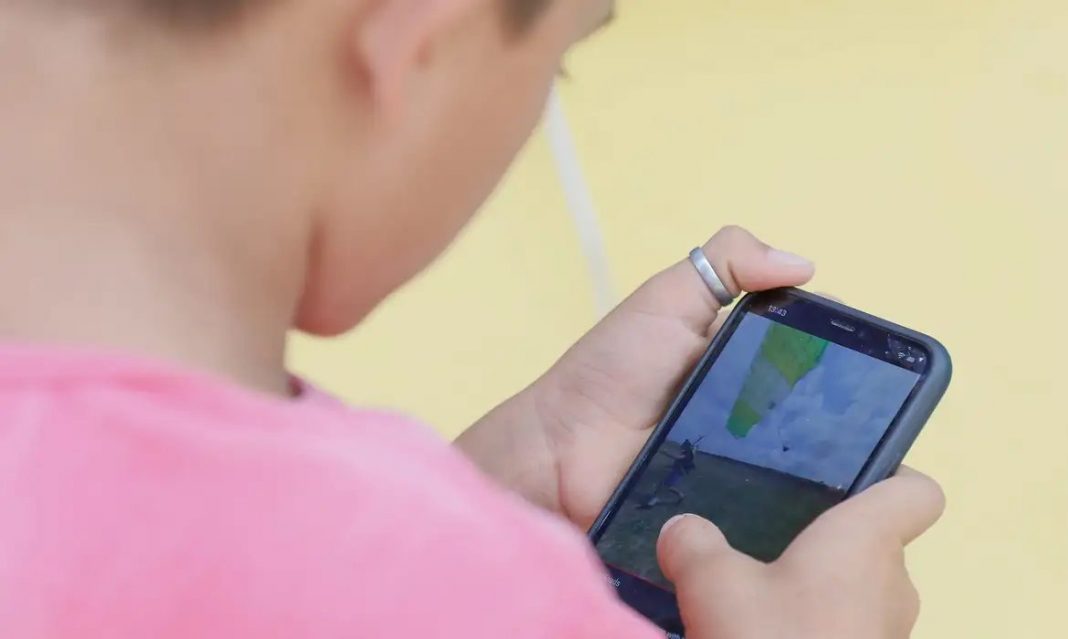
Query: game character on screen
[[683, 465]]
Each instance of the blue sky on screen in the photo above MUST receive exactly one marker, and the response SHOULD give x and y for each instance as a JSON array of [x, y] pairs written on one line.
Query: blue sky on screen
[[829, 424]]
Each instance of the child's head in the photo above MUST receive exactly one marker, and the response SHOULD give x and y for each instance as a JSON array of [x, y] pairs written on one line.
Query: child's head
[[374, 128]]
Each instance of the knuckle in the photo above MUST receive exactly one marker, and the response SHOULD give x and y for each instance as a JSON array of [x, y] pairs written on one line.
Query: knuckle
[[938, 495], [930, 493], [733, 235], [913, 602]]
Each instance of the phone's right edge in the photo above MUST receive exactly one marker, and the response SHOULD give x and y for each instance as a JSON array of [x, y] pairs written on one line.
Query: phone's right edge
[[910, 421], [919, 407]]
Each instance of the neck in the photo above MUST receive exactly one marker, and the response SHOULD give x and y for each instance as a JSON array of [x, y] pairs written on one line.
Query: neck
[[120, 231], [86, 279]]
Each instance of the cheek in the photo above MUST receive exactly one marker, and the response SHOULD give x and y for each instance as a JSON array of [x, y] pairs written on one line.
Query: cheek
[[478, 140], [424, 186], [500, 109], [420, 203], [498, 123], [503, 97]]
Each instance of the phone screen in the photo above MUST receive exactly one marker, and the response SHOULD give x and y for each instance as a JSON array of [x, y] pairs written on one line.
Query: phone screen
[[776, 432]]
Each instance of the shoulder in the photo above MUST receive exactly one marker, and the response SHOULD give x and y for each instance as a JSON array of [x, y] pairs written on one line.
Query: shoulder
[[214, 513], [387, 530]]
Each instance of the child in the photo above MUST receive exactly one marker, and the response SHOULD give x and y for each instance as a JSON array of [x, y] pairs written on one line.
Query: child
[[182, 182]]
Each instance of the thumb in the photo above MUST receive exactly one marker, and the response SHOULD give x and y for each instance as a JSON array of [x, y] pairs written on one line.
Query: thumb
[[690, 544], [742, 261], [721, 592]]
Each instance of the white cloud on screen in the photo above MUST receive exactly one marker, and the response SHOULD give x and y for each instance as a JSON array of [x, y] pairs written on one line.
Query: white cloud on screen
[[823, 431]]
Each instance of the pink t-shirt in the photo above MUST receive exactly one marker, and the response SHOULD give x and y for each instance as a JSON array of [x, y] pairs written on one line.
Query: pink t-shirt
[[137, 500]]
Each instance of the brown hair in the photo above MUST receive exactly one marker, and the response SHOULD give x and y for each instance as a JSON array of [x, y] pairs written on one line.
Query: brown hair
[[195, 12], [519, 14], [522, 13]]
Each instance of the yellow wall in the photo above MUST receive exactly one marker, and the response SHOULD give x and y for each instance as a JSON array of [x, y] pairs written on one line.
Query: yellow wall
[[917, 149]]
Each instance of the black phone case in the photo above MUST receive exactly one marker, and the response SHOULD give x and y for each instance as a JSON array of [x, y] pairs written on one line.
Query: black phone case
[[892, 448]]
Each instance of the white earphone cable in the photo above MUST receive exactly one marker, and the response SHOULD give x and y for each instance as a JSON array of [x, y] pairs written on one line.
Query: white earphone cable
[[580, 203]]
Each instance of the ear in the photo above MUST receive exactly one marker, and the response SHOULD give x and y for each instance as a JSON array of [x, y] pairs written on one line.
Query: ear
[[394, 38]]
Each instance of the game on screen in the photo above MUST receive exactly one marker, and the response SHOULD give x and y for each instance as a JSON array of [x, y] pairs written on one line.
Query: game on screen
[[776, 433]]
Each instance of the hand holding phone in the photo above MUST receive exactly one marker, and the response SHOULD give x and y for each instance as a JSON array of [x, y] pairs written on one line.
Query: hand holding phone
[[799, 404], [843, 578]]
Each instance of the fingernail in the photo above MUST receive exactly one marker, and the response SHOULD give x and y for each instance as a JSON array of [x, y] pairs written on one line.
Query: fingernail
[[788, 259], [671, 522]]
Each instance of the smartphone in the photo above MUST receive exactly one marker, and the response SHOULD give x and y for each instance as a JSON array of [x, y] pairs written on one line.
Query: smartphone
[[799, 403]]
